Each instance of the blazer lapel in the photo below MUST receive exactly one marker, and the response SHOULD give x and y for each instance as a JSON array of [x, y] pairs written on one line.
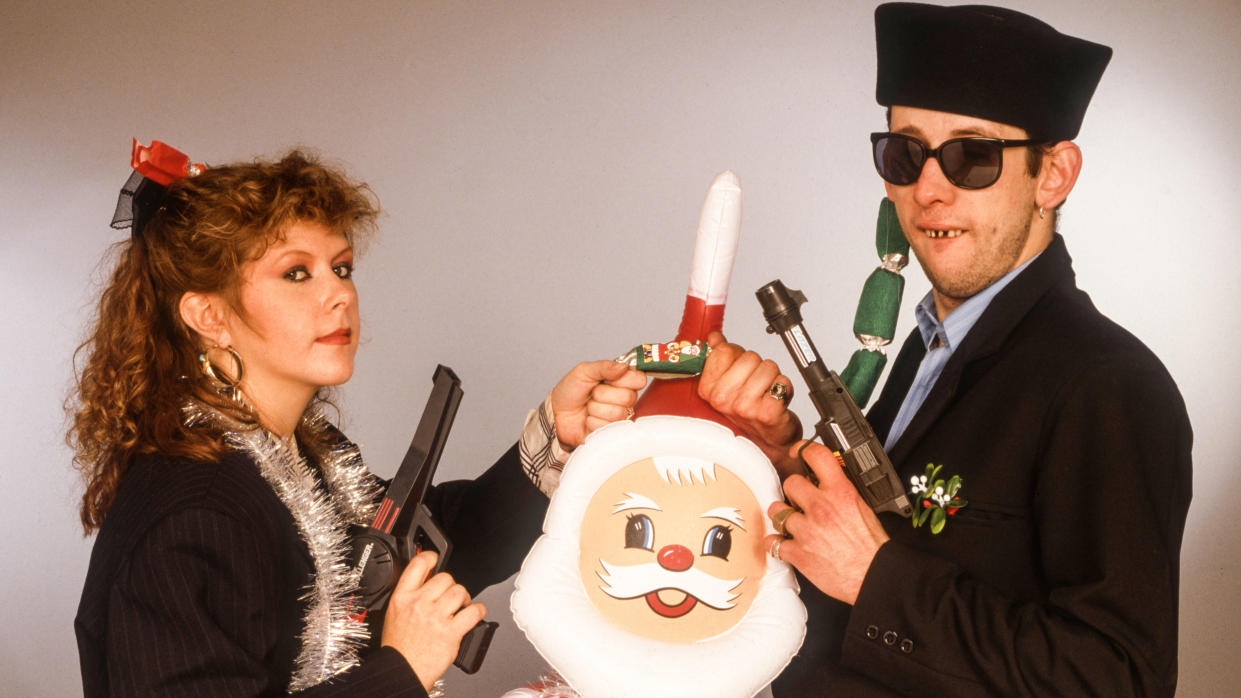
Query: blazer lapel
[[993, 328], [901, 378]]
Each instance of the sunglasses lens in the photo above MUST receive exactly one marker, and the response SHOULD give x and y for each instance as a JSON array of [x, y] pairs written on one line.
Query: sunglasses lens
[[899, 159], [971, 163]]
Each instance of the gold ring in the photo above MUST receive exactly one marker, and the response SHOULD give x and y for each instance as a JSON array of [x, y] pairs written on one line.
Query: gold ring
[[778, 390], [629, 413], [775, 549], [778, 520]]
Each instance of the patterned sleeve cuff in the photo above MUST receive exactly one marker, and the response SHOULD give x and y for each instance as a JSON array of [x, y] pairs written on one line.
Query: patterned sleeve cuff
[[542, 456]]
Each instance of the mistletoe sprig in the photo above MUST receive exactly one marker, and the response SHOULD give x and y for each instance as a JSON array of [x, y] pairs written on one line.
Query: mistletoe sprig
[[937, 500]]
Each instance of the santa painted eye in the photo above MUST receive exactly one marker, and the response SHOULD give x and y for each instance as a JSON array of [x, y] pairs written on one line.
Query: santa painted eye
[[639, 532], [719, 542]]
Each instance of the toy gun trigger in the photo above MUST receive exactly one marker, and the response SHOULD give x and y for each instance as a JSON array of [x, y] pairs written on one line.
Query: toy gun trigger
[[809, 472], [424, 534]]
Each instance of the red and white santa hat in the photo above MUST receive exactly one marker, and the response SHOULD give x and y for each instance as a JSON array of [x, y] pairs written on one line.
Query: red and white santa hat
[[715, 250]]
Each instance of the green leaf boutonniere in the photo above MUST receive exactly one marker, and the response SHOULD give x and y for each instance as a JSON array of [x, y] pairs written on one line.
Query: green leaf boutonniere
[[937, 500]]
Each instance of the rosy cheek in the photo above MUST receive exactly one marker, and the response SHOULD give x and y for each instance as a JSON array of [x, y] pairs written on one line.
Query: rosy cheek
[[754, 561]]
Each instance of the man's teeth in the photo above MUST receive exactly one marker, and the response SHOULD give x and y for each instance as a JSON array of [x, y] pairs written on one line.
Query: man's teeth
[[944, 233]]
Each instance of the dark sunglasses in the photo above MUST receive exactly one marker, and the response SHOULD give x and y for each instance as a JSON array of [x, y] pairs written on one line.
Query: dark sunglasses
[[969, 163]]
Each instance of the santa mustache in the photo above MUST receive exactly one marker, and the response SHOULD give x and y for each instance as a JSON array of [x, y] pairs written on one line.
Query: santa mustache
[[633, 581]]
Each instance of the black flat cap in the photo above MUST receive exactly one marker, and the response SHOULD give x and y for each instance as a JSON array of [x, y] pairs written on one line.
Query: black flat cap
[[987, 62]]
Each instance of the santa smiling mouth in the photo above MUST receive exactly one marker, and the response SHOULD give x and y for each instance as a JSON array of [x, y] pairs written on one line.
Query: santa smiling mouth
[[671, 610], [669, 594]]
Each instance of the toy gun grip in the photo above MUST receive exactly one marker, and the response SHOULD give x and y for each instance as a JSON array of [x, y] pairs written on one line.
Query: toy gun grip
[[842, 427], [425, 534]]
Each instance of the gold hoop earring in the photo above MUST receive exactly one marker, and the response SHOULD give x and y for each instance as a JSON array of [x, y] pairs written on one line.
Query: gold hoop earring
[[1042, 215], [232, 385]]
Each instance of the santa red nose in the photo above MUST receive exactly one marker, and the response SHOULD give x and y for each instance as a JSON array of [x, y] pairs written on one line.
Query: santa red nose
[[675, 558]]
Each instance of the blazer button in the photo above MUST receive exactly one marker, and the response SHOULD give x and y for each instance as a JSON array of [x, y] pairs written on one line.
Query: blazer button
[[889, 638], [872, 631], [907, 646]]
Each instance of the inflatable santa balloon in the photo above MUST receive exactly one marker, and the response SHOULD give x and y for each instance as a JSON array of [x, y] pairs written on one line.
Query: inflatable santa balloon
[[651, 577]]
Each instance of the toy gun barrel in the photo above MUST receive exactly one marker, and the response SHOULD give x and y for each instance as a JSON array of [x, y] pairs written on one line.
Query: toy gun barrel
[[842, 426]]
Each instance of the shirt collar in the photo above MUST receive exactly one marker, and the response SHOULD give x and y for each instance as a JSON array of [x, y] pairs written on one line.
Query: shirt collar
[[951, 332]]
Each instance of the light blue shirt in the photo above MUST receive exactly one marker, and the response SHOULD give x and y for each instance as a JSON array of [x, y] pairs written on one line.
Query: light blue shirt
[[940, 339]]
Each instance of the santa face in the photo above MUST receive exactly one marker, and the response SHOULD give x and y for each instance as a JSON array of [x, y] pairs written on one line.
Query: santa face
[[672, 549], [594, 634]]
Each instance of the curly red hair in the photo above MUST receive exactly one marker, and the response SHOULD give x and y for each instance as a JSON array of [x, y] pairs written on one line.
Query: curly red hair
[[140, 361]]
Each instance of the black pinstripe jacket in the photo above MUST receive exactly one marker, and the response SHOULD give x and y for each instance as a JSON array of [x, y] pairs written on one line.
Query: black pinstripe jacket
[[194, 581]]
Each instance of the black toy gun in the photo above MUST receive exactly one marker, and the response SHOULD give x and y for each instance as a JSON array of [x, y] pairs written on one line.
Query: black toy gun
[[842, 428], [403, 526]]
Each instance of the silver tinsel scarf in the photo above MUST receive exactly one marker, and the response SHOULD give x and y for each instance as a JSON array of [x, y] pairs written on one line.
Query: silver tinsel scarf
[[331, 634]]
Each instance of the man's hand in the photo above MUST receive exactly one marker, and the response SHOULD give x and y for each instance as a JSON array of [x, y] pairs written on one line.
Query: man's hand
[[835, 535], [736, 383], [592, 394], [426, 618]]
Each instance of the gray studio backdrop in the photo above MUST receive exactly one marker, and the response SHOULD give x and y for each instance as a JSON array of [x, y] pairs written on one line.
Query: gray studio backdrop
[[541, 165]]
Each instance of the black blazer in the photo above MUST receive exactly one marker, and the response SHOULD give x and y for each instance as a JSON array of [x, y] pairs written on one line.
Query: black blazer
[[1060, 577], [195, 579]]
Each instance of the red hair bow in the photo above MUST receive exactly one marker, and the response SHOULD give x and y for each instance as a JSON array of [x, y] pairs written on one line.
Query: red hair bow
[[162, 163]]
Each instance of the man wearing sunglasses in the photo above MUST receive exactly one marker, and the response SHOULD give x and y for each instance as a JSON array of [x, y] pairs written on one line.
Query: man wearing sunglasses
[[1058, 575]]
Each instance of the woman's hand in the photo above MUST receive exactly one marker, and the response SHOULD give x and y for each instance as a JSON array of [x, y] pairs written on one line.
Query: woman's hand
[[592, 394], [426, 618]]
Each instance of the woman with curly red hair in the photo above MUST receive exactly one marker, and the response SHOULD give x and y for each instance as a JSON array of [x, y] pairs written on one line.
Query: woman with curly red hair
[[222, 496]]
